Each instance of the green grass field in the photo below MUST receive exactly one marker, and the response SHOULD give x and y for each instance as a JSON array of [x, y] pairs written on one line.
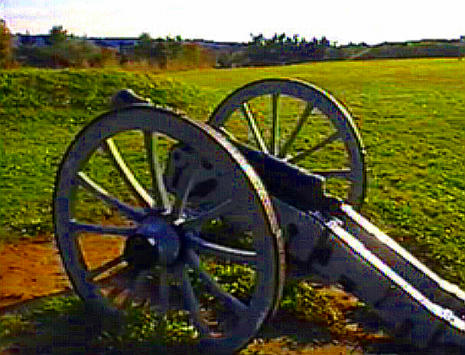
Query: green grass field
[[411, 114]]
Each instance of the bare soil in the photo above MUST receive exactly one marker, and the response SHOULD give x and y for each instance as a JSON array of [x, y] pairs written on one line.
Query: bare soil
[[29, 269]]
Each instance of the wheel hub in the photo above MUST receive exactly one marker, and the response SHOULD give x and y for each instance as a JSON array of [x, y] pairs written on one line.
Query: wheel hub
[[154, 243]]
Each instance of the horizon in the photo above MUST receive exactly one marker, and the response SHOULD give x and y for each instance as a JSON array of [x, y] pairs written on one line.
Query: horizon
[[339, 22], [460, 38]]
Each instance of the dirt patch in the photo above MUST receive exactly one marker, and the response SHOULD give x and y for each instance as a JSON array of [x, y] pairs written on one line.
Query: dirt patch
[[30, 269]]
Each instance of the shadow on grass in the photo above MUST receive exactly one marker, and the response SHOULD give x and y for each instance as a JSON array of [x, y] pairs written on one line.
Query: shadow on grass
[[63, 325], [80, 333]]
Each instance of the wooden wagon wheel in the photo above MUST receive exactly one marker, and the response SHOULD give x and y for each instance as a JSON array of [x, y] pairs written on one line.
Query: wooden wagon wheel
[[300, 124], [163, 184]]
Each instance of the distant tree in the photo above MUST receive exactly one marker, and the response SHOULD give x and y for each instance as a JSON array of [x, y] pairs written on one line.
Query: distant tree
[[158, 51], [145, 37], [324, 42], [273, 39], [174, 48], [258, 40], [143, 49], [161, 53], [58, 34], [5, 45]]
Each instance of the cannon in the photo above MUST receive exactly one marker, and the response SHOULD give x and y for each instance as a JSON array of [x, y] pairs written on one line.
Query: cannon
[[210, 219]]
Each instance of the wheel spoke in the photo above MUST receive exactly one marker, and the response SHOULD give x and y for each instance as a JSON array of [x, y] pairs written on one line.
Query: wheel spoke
[[91, 274], [126, 281], [275, 126], [163, 290], [122, 299], [216, 211], [181, 203], [120, 280], [340, 174], [319, 146], [231, 302], [191, 303], [127, 174], [99, 192], [128, 287], [158, 185], [296, 131], [231, 254], [77, 227], [254, 127], [141, 287], [163, 287]]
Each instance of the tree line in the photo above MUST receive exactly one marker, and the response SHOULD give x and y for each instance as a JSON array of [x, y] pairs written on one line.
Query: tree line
[[66, 50], [286, 48], [170, 53], [278, 49], [175, 53], [62, 50]]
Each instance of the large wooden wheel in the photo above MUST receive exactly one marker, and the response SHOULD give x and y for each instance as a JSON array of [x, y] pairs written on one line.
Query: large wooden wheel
[[151, 189], [300, 124]]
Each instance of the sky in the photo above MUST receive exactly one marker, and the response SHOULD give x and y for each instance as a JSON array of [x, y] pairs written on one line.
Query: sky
[[341, 21]]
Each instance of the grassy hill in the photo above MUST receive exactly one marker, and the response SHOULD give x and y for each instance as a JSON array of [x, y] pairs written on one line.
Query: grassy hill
[[411, 114]]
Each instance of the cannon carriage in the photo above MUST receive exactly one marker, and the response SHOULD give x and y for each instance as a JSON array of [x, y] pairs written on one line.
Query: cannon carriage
[[269, 188]]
